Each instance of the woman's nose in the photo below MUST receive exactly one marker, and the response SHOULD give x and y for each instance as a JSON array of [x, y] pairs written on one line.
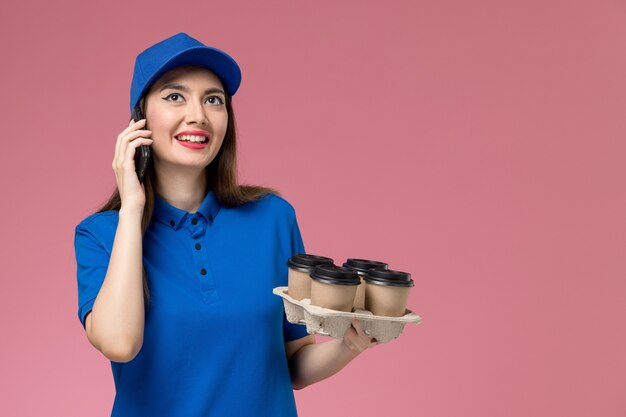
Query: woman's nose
[[196, 114]]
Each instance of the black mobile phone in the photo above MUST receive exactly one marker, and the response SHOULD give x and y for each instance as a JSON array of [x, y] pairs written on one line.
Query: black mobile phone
[[142, 153]]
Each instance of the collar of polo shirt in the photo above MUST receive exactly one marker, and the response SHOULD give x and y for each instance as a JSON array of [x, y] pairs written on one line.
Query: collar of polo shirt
[[174, 217]]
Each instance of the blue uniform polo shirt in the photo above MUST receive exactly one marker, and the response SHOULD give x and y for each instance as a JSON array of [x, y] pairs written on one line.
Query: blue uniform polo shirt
[[214, 332]]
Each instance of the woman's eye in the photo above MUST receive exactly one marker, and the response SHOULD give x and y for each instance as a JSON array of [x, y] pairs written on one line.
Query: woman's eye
[[215, 100], [173, 95]]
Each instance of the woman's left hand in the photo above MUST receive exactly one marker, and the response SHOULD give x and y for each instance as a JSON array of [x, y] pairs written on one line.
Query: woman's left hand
[[356, 339]]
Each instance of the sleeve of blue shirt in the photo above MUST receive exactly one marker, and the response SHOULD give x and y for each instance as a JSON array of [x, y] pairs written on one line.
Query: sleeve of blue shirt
[[294, 331], [92, 261]]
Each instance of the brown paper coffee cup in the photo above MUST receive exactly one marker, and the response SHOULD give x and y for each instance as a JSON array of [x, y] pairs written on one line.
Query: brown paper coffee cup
[[387, 292], [334, 287], [298, 278]]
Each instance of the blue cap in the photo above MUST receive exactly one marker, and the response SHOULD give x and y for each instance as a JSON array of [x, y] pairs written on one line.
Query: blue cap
[[176, 51]]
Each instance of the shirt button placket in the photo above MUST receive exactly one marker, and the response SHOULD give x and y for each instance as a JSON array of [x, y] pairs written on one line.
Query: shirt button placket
[[207, 284]]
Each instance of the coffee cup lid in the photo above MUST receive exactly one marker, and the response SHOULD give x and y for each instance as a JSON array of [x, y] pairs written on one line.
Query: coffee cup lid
[[336, 275], [389, 277], [306, 263], [364, 265]]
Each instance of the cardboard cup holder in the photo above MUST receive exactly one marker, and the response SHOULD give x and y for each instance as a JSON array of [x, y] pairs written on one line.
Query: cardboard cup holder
[[333, 323]]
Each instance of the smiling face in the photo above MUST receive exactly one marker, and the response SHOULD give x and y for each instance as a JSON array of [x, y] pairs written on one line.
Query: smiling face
[[186, 112]]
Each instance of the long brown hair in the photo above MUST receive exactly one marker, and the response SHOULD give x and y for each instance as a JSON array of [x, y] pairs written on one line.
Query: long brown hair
[[221, 178]]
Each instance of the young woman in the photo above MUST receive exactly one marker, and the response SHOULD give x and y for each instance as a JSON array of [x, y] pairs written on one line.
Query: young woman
[[175, 273]]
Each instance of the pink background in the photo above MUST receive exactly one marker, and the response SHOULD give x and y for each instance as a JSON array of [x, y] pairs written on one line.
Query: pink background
[[477, 145]]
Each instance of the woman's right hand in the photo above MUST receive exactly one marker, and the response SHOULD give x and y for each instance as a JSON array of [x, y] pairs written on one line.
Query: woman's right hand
[[132, 192]]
